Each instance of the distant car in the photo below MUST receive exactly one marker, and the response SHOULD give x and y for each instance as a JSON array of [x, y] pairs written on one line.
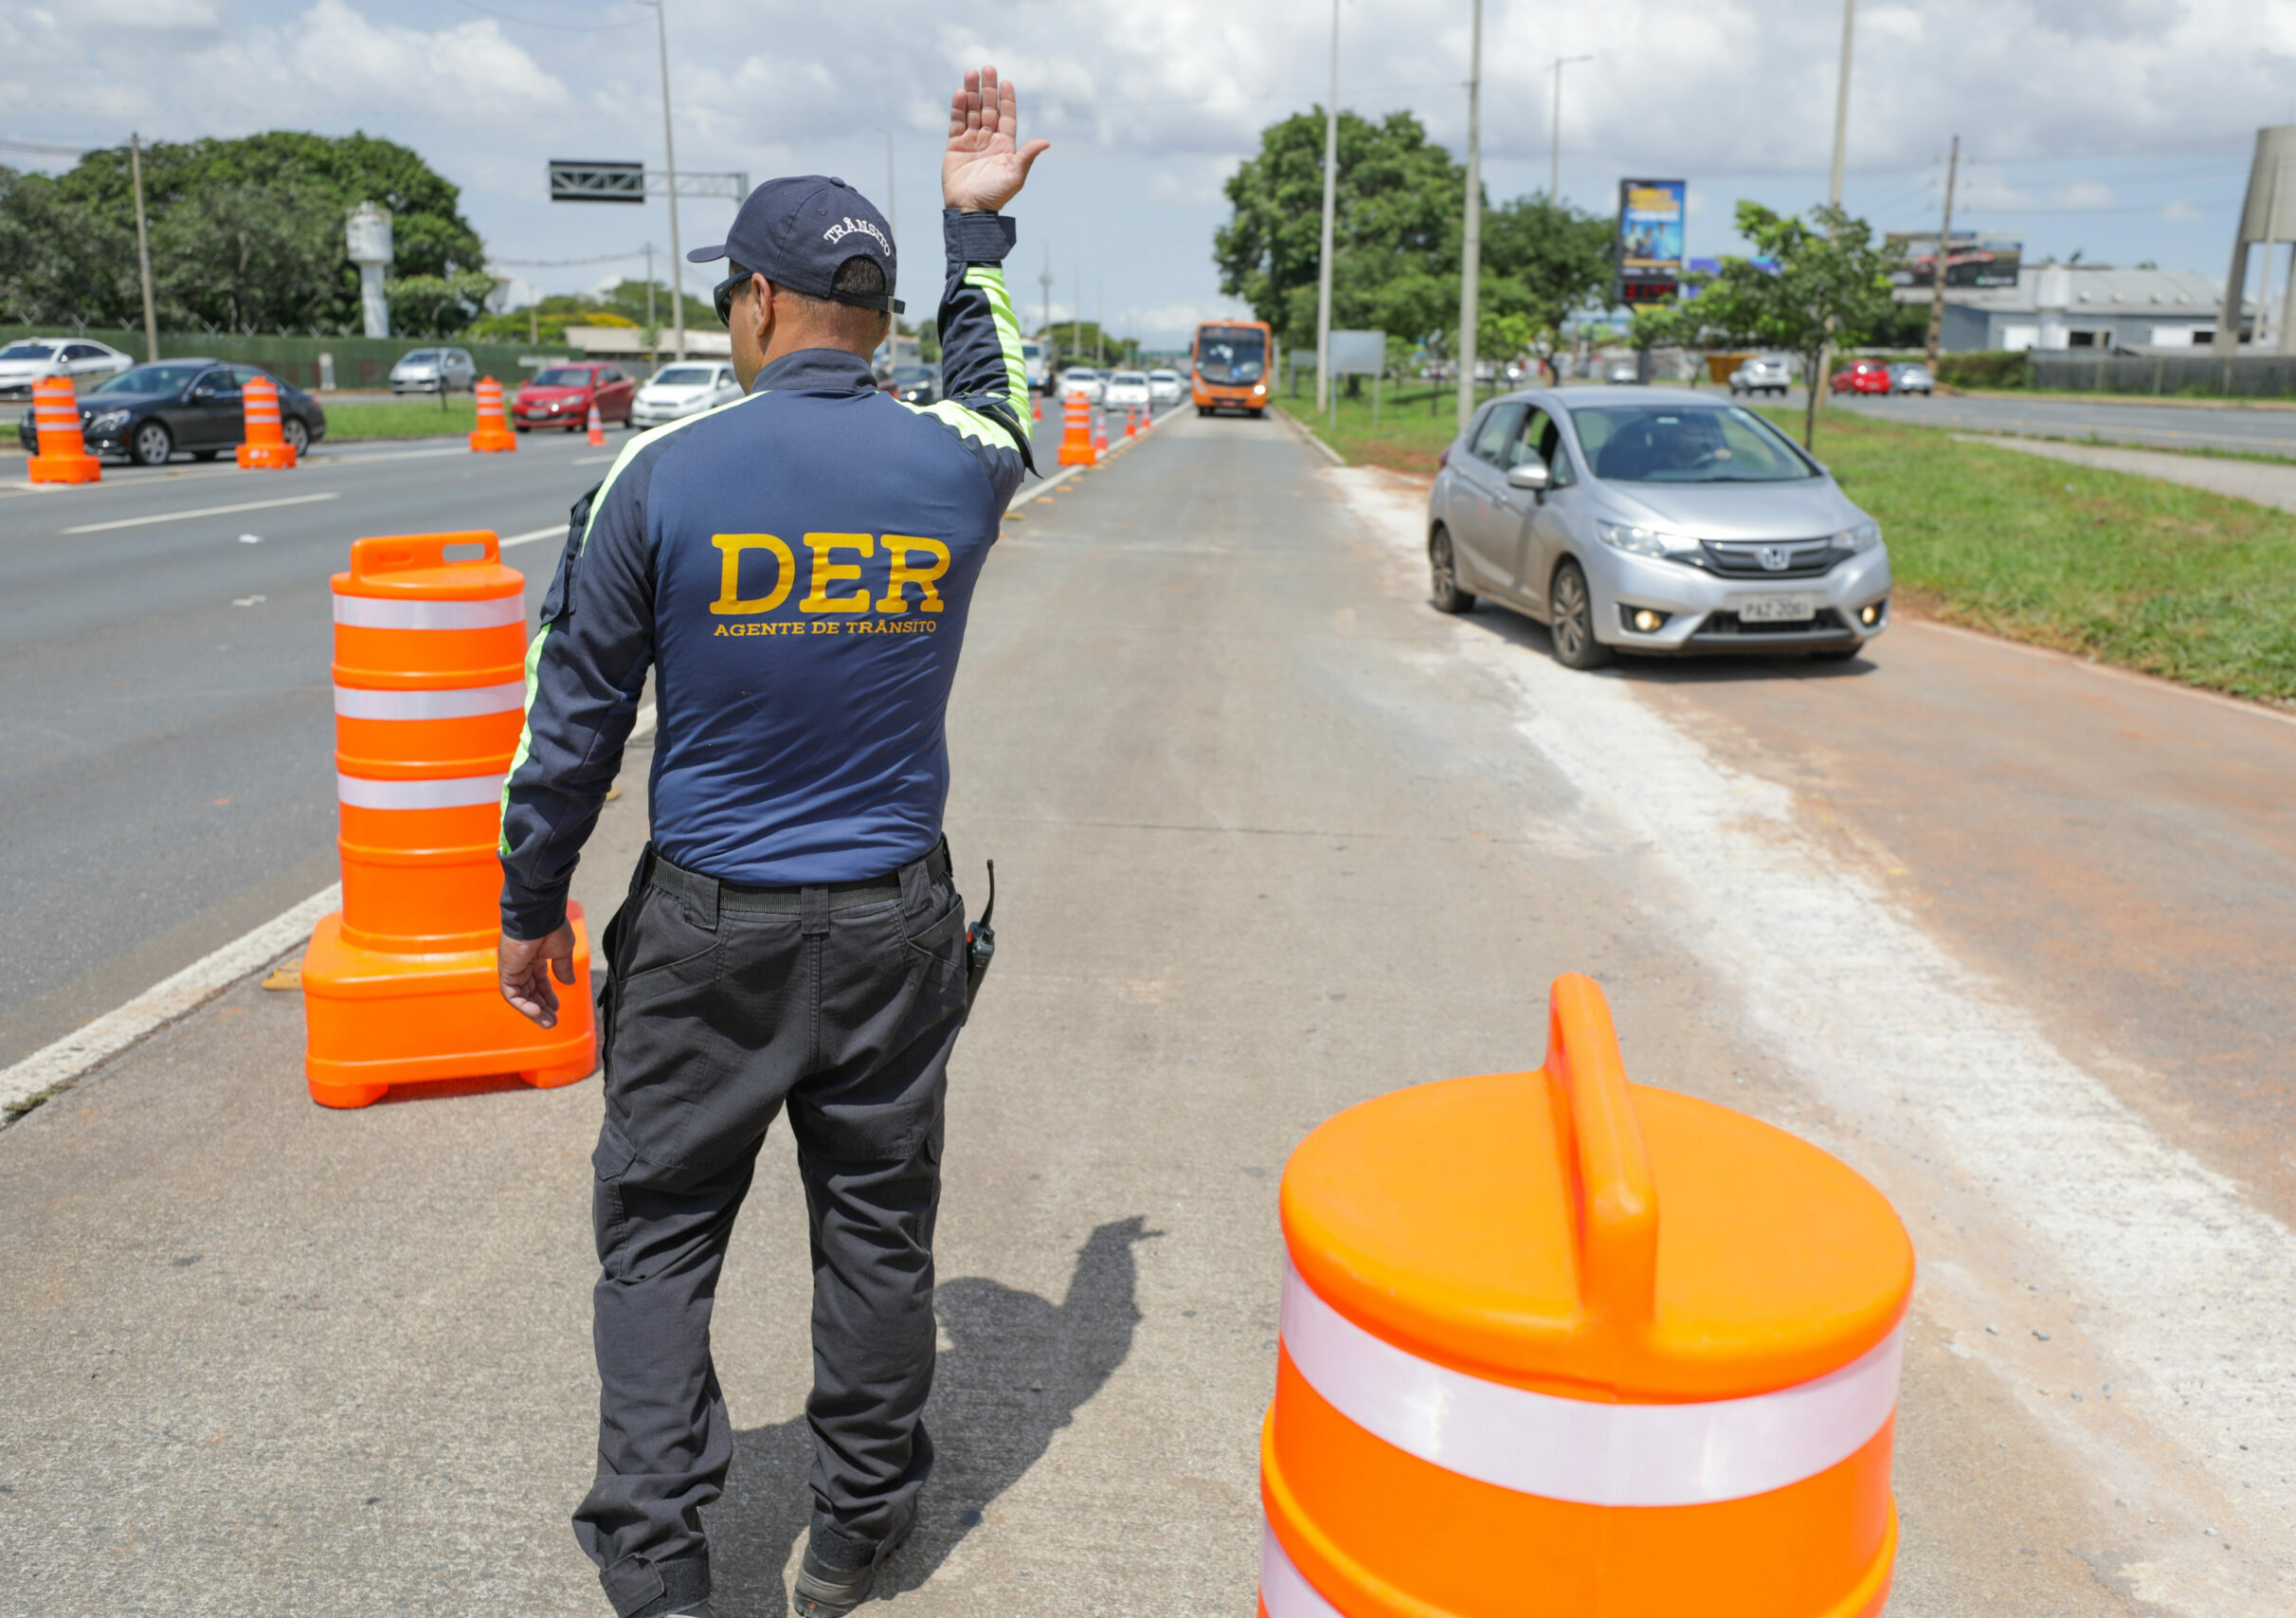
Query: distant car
[[1861, 377], [1126, 389], [914, 384], [1165, 387], [1085, 380], [561, 396], [1764, 373], [1912, 379], [85, 361], [684, 390], [1625, 373], [432, 369], [150, 413]]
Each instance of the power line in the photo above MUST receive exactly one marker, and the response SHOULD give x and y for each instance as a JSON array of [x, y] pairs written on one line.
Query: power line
[[40, 149]]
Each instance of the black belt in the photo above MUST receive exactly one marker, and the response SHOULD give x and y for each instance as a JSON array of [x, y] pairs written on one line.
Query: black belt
[[708, 892]]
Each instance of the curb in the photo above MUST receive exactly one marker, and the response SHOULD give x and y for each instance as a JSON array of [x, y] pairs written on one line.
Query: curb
[[1307, 435]]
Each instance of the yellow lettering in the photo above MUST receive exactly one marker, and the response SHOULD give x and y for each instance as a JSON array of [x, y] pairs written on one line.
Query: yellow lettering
[[826, 572], [729, 599], [897, 546]]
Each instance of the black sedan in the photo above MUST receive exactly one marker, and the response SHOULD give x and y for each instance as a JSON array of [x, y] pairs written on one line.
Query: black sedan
[[153, 412]]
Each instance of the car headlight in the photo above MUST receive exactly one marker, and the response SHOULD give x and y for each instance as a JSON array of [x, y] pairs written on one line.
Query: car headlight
[[1640, 541], [1864, 537], [108, 421]]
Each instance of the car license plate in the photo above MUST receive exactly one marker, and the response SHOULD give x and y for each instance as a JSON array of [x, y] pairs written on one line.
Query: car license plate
[[1776, 609]]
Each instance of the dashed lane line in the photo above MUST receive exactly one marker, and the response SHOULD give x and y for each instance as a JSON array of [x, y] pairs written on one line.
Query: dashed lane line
[[203, 511]]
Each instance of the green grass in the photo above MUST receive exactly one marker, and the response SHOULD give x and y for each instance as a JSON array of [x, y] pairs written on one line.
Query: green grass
[[2153, 576], [419, 417], [1408, 437]]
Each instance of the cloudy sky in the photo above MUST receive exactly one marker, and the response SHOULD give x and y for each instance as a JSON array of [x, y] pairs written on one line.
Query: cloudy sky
[[2119, 128]]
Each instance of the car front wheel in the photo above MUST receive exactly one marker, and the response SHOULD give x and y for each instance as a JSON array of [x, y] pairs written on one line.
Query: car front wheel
[[1573, 624], [296, 435], [153, 445], [1443, 574]]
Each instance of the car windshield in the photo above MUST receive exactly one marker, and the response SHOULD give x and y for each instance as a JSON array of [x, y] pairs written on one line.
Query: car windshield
[[29, 351], [562, 377], [684, 376], [1081, 374], [152, 380], [420, 356], [1685, 443], [1231, 355], [1163, 376], [907, 374], [1130, 378]]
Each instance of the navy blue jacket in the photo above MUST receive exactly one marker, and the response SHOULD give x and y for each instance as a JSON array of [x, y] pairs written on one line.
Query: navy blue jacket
[[796, 568]]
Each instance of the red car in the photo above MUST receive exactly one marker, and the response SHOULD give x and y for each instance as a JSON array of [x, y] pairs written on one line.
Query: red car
[[1862, 377], [562, 395]]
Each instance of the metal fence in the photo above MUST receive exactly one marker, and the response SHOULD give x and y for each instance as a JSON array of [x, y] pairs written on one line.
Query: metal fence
[[359, 362], [2201, 375]]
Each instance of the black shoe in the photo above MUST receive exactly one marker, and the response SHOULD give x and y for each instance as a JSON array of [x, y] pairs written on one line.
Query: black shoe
[[831, 1593]]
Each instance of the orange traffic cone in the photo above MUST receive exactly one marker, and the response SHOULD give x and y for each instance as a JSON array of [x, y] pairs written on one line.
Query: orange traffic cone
[[1482, 1324], [1036, 406], [266, 448], [494, 436], [400, 985], [1100, 432], [1076, 433], [597, 427], [64, 456], [1131, 421]]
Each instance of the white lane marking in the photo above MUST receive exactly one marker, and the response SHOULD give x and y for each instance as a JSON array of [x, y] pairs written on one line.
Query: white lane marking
[[248, 600], [203, 511], [1045, 487], [555, 531], [68, 1058], [592, 460], [1588, 1450], [250, 539], [1942, 1088]]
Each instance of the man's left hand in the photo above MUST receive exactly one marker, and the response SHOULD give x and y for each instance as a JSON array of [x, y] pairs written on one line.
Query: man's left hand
[[527, 965], [985, 166]]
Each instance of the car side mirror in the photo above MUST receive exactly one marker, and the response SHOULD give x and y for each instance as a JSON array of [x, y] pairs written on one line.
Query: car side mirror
[[1531, 475]]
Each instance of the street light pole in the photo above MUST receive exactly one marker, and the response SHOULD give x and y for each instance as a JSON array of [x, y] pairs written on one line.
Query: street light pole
[[143, 251], [1322, 274], [1841, 100], [1944, 249], [1471, 243], [1554, 143], [669, 152]]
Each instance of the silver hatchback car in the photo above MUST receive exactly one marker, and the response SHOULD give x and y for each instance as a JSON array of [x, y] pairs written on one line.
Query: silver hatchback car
[[1650, 520]]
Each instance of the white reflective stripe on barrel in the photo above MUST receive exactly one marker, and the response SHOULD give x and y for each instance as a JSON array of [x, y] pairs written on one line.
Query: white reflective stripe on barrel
[[377, 612], [1284, 1590], [1575, 1449], [460, 792], [357, 703]]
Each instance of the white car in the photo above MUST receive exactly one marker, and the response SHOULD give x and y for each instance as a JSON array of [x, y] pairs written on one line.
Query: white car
[[1085, 380], [1034, 364], [1165, 387], [1126, 389], [435, 370], [683, 390], [84, 361], [1764, 373]]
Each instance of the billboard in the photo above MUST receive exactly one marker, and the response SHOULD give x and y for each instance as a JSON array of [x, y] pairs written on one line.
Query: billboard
[[1649, 238], [1972, 257]]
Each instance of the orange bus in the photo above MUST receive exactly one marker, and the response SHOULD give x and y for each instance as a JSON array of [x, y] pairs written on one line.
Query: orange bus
[[1231, 365]]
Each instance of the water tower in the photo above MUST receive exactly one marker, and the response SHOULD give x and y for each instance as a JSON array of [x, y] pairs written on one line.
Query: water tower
[[2269, 216], [368, 239]]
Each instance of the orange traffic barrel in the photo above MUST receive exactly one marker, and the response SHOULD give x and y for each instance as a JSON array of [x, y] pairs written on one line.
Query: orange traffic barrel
[[400, 986], [64, 456], [1554, 1344], [1077, 432], [267, 447], [494, 436]]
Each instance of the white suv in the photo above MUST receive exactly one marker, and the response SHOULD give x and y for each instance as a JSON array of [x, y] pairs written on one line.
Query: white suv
[[85, 361], [1764, 373]]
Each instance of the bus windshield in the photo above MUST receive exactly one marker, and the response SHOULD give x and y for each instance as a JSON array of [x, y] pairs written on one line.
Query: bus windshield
[[1231, 354]]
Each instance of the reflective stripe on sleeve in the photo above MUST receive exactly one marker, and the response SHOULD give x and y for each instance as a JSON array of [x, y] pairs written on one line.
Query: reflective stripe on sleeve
[[1284, 1590], [460, 792], [378, 612], [356, 702], [1575, 1449]]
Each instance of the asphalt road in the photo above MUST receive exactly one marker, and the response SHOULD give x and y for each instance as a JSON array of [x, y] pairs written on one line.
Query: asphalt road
[[167, 777], [2253, 430], [1271, 837]]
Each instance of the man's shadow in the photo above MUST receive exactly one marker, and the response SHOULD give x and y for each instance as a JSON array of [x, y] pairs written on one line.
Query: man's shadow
[[1016, 1372]]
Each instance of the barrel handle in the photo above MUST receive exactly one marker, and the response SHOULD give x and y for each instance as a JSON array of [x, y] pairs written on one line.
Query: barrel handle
[[1615, 1200], [403, 553]]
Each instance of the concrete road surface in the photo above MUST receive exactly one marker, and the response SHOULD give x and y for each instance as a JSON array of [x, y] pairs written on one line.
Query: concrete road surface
[[2253, 430], [1271, 837]]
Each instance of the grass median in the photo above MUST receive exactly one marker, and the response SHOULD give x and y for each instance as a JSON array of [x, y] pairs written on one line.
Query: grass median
[[420, 417], [2176, 582]]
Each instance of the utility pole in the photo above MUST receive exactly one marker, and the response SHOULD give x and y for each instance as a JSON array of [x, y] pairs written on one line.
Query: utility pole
[[653, 326], [1470, 236], [669, 152], [1841, 141], [143, 251], [1944, 246], [1046, 281], [1322, 274], [1075, 320], [1554, 142], [1100, 328]]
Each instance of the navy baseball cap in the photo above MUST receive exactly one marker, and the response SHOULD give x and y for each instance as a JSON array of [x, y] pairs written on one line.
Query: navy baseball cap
[[797, 231]]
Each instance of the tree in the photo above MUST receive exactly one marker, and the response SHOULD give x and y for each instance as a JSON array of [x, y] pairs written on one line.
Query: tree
[[1396, 233], [1831, 286], [1559, 260]]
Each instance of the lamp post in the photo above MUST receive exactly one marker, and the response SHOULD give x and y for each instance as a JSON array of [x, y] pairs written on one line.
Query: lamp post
[[1471, 244], [1554, 143], [1842, 142], [143, 251], [669, 153], [1322, 274]]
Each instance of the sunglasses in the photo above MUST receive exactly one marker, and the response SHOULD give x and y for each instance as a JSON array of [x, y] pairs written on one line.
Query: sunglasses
[[722, 294]]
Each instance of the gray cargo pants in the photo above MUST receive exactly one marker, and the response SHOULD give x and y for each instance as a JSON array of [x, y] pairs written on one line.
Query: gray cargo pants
[[720, 1007]]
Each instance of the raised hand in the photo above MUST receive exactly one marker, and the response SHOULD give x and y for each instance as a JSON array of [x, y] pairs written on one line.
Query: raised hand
[[986, 165]]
